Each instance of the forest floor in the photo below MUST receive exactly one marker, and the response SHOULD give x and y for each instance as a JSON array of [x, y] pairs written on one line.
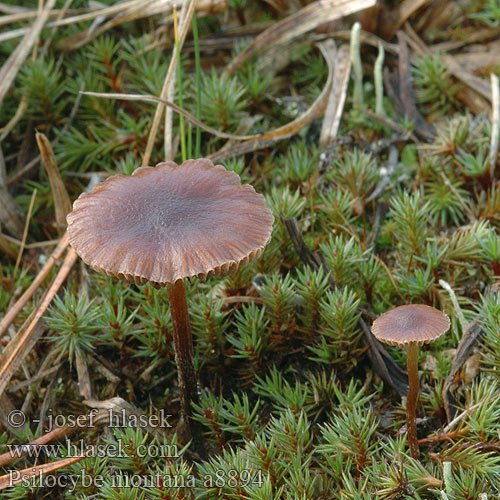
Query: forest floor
[[371, 129]]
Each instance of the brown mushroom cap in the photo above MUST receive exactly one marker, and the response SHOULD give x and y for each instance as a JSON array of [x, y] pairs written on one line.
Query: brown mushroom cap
[[169, 222], [410, 323]]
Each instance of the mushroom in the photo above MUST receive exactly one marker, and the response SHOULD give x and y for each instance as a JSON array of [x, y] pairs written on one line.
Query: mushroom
[[411, 325], [164, 224]]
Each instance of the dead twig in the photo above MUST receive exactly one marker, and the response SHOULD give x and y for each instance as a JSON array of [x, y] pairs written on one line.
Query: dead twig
[[19, 346]]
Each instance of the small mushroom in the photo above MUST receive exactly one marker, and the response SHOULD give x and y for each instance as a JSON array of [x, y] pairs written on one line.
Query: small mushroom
[[411, 325], [164, 224]]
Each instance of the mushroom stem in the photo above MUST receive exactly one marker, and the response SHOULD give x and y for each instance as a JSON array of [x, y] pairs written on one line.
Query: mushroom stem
[[183, 346], [412, 398]]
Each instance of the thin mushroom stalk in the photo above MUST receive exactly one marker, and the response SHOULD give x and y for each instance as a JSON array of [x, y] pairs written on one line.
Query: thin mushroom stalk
[[412, 398], [183, 347]]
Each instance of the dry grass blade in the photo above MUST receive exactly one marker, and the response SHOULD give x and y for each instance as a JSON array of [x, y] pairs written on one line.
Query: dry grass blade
[[306, 19], [10, 9], [315, 110], [255, 142], [37, 471], [16, 308], [188, 116], [244, 126], [476, 36], [287, 130], [119, 8], [139, 10], [336, 99], [62, 202], [241, 149], [13, 63], [282, 132], [30, 14], [168, 84], [18, 347]]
